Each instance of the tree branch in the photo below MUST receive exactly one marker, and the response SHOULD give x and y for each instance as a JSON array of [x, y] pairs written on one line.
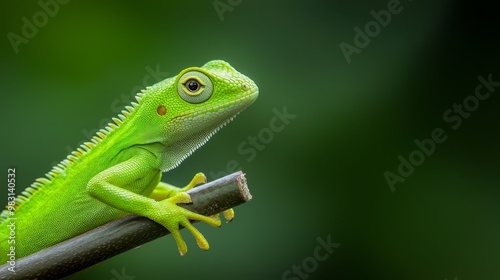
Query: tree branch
[[124, 234]]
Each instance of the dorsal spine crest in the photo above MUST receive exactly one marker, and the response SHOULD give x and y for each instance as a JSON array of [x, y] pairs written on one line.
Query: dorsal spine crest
[[84, 148]]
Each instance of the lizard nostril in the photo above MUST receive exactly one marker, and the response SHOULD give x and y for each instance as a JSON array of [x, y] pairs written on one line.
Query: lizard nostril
[[244, 87]]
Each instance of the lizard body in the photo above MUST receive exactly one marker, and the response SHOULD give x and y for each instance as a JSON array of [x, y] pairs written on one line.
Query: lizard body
[[118, 172]]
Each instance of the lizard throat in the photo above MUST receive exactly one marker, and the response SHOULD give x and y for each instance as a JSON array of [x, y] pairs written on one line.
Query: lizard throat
[[179, 152]]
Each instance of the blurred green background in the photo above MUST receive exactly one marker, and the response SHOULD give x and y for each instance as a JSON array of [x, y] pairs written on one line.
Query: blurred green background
[[322, 176]]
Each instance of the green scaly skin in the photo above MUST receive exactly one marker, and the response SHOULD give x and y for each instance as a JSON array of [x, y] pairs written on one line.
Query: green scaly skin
[[118, 173]]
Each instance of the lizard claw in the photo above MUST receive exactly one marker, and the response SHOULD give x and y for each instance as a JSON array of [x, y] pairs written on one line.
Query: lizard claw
[[200, 239], [199, 178], [228, 215]]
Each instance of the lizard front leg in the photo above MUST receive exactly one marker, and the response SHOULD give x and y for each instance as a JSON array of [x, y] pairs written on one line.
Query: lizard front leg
[[120, 187]]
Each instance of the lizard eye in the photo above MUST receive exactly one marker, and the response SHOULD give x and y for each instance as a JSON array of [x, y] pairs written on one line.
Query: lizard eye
[[194, 87]]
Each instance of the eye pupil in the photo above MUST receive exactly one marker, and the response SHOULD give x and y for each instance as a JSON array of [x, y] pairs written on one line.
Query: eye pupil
[[193, 85]]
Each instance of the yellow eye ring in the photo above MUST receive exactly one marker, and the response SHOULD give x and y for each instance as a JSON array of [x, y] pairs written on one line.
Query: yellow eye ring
[[194, 87]]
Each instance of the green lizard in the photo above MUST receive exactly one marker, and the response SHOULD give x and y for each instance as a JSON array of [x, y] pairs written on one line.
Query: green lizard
[[118, 173]]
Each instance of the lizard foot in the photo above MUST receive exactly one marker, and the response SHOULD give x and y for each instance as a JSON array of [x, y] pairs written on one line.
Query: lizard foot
[[171, 216]]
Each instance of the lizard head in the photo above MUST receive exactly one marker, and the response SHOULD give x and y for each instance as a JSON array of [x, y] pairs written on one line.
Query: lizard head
[[190, 107]]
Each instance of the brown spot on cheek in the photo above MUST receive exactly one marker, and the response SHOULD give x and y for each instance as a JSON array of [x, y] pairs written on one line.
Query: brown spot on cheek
[[162, 110]]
